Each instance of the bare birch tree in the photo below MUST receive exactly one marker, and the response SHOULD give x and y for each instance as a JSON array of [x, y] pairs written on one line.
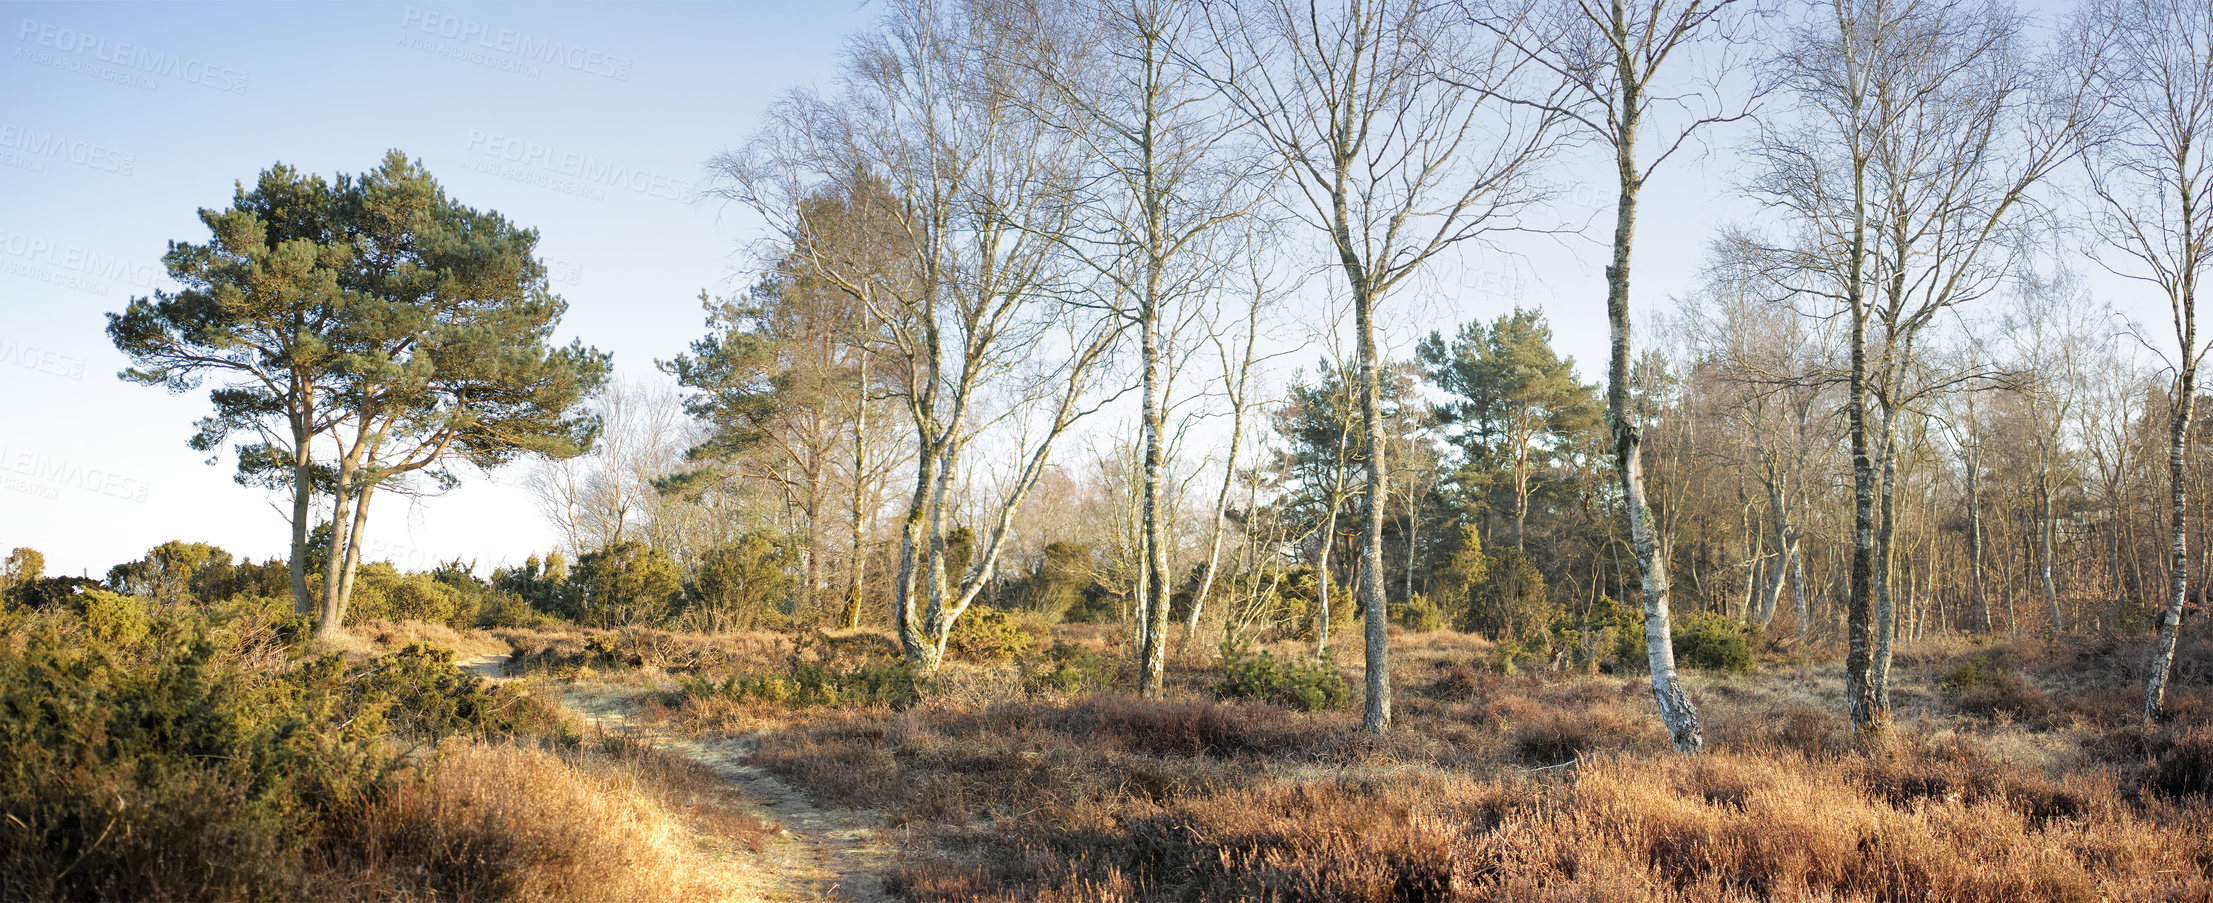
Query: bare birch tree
[[1161, 189], [1923, 128], [972, 183], [1621, 65], [2151, 171], [1395, 166]]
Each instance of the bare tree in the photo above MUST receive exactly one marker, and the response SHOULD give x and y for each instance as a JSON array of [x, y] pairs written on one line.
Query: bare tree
[[604, 497], [971, 183], [1395, 166], [1923, 129], [1620, 66], [1161, 190], [2152, 173]]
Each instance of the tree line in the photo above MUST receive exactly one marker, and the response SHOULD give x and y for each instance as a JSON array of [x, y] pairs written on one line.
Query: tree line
[[1008, 225]]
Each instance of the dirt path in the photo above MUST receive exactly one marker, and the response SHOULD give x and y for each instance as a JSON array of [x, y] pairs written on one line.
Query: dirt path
[[815, 854], [818, 854]]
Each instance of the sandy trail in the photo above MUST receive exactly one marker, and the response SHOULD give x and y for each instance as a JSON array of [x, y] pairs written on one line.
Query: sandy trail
[[815, 854]]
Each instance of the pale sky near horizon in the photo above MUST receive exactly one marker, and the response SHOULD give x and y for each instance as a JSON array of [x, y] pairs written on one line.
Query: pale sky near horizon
[[589, 123]]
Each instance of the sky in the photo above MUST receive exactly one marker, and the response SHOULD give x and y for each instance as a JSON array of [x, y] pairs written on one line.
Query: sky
[[592, 124]]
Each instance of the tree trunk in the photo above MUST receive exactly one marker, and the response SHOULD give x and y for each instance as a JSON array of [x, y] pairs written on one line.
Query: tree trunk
[[2044, 537], [856, 585], [1321, 569], [331, 621], [303, 499], [353, 549], [1376, 716], [1221, 510], [1886, 532], [1676, 710], [1974, 537], [1156, 590], [1785, 547], [2170, 619]]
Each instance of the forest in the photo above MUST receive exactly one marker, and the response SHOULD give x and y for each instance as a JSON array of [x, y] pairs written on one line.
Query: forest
[[1103, 489]]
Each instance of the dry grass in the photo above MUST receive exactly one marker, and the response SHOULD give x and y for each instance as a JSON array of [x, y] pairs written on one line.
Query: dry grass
[[376, 637], [504, 822], [1554, 786]]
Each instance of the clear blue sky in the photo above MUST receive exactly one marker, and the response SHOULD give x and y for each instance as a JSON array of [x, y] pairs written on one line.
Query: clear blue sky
[[118, 122]]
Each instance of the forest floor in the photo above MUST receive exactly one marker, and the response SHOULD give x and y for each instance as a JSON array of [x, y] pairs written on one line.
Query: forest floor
[[807, 853]]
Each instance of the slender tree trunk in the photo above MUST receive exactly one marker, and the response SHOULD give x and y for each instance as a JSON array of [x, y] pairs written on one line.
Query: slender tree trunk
[[1867, 710], [856, 585], [1974, 537], [2044, 530], [353, 549], [1156, 591], [1376, 716], [2178, 575], [1221, 510], [1676, 710], [917, 559], [1798, 584], [303, 499], [1886, 532], [1321, 568], [1785, 548], [331, 621]]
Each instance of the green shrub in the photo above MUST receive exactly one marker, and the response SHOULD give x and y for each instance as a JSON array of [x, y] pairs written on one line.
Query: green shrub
[[153, 763], [1307, 685], [821, 671], [1509, 601], [1418, 614], [803, 685], [995, 635], [1714, 643], [112, 618]]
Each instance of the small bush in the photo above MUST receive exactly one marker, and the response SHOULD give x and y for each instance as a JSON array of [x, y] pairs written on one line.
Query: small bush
[[1418, 614], [1306, 685], [995, 635], [821, 671], [1714, 643]]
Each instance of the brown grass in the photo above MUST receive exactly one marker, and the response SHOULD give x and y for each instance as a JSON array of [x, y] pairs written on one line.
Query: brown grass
[[1553, 786], [504, 822]]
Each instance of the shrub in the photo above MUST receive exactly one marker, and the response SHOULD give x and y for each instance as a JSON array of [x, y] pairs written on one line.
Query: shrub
[[1418, 614], [821, 671], [1509, 602], [1261, 676], [1056, 585], [153, 763], [1981, 686], [112, 618], [747, 583], [624, 584], [1067, 669], [995, 635], [1714, 643], [2184, 767]]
